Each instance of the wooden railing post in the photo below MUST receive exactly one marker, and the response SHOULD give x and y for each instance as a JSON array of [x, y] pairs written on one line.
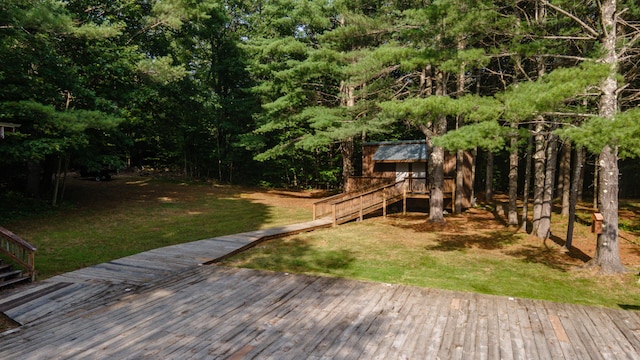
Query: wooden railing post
[[314, 211], [361, 215], [384, 203], [32, 261], [18, 250], [335, 220], [453, 201], [404, 199]]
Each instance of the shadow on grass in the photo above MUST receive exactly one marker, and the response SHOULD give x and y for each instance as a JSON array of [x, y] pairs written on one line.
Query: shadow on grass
[[574, 252], [294, 255], [491, 233], [109, 220], [488, 241]]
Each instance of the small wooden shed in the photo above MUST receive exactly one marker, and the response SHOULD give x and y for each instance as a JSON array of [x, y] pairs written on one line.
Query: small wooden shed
[[7, 126], [386, 162]]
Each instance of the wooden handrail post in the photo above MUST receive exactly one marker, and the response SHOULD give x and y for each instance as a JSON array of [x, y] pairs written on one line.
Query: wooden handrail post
[[361, 215], [384, 203], [18, 250], [453, 201], [404, 199], [335, 220], [314, 211], [32, 261]]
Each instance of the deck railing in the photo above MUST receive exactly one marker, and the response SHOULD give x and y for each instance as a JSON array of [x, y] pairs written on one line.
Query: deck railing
[[420, 185], [358, 205], [365, 183], [19, 251], [349, 206], [324, 207]]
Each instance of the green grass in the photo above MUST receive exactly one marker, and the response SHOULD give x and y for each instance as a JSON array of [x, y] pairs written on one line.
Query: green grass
[[378, 250], [106, 221]]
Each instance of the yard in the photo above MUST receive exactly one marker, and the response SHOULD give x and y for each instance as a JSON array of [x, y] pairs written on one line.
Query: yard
[[472, 252]]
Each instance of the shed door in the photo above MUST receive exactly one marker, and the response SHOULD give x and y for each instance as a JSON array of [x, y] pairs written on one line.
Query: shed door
[[402, 171], [419, 177]]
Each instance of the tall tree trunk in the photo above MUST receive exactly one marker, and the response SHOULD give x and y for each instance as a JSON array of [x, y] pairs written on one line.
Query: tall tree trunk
[[544, 225], [56, 185], [581, 180], [346, 150], [596, 182], [474, 158], [513, 177], [436, 159], [527, 186], [488, 180], [539, 157], [539, 162], [34, 178], [607, 250], [460, 80], [562, 172], [578, 170], [347, 145], [67, 160], [459, 181], [564, 181]]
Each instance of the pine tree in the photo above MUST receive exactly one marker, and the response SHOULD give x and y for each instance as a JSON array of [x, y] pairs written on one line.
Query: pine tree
[[615, 33]]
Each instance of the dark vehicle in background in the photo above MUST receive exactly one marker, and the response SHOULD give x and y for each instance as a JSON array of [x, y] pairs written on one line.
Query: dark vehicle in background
[[97, 175]]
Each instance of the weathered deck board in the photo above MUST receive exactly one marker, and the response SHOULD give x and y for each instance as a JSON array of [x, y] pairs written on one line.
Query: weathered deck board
[[217, 312], [527, 330], [528, 309], [616, 339], [378, 342]]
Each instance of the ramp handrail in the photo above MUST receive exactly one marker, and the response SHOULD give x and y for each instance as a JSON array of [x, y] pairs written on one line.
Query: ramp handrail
[[346, 207], [18, 250], [349, 206]]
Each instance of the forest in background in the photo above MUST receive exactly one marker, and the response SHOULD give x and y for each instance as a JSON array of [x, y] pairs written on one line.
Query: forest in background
[[283, 93]]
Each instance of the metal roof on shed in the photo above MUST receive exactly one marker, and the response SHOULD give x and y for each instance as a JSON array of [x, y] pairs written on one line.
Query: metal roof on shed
[[401, 152]]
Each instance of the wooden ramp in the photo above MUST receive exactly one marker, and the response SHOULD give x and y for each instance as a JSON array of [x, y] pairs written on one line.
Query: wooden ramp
[[63, 292], [347, 206], [212, 312]]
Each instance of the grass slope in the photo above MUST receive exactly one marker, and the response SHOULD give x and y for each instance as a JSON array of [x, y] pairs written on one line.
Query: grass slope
[[109, 220], [474, 252], [464, 256]]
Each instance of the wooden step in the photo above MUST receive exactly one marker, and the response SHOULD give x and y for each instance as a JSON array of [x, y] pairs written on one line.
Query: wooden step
[[10, 274], [13, 281], [4, 267]]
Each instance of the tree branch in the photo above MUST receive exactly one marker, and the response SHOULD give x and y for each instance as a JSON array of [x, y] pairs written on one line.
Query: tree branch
[[556, 113], [629, 45], [559, 37], [584, 25], [569, 57]]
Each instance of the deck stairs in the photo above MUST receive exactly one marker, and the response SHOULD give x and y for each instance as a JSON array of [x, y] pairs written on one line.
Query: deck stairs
[[10, 276], [21, 254]]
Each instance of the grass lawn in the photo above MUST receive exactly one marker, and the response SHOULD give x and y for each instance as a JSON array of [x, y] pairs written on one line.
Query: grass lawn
[[474, 252], [468, 254], [103, 221]]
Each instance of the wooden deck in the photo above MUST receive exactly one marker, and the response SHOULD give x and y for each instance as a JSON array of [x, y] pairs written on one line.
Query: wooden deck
[[215, 312]]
